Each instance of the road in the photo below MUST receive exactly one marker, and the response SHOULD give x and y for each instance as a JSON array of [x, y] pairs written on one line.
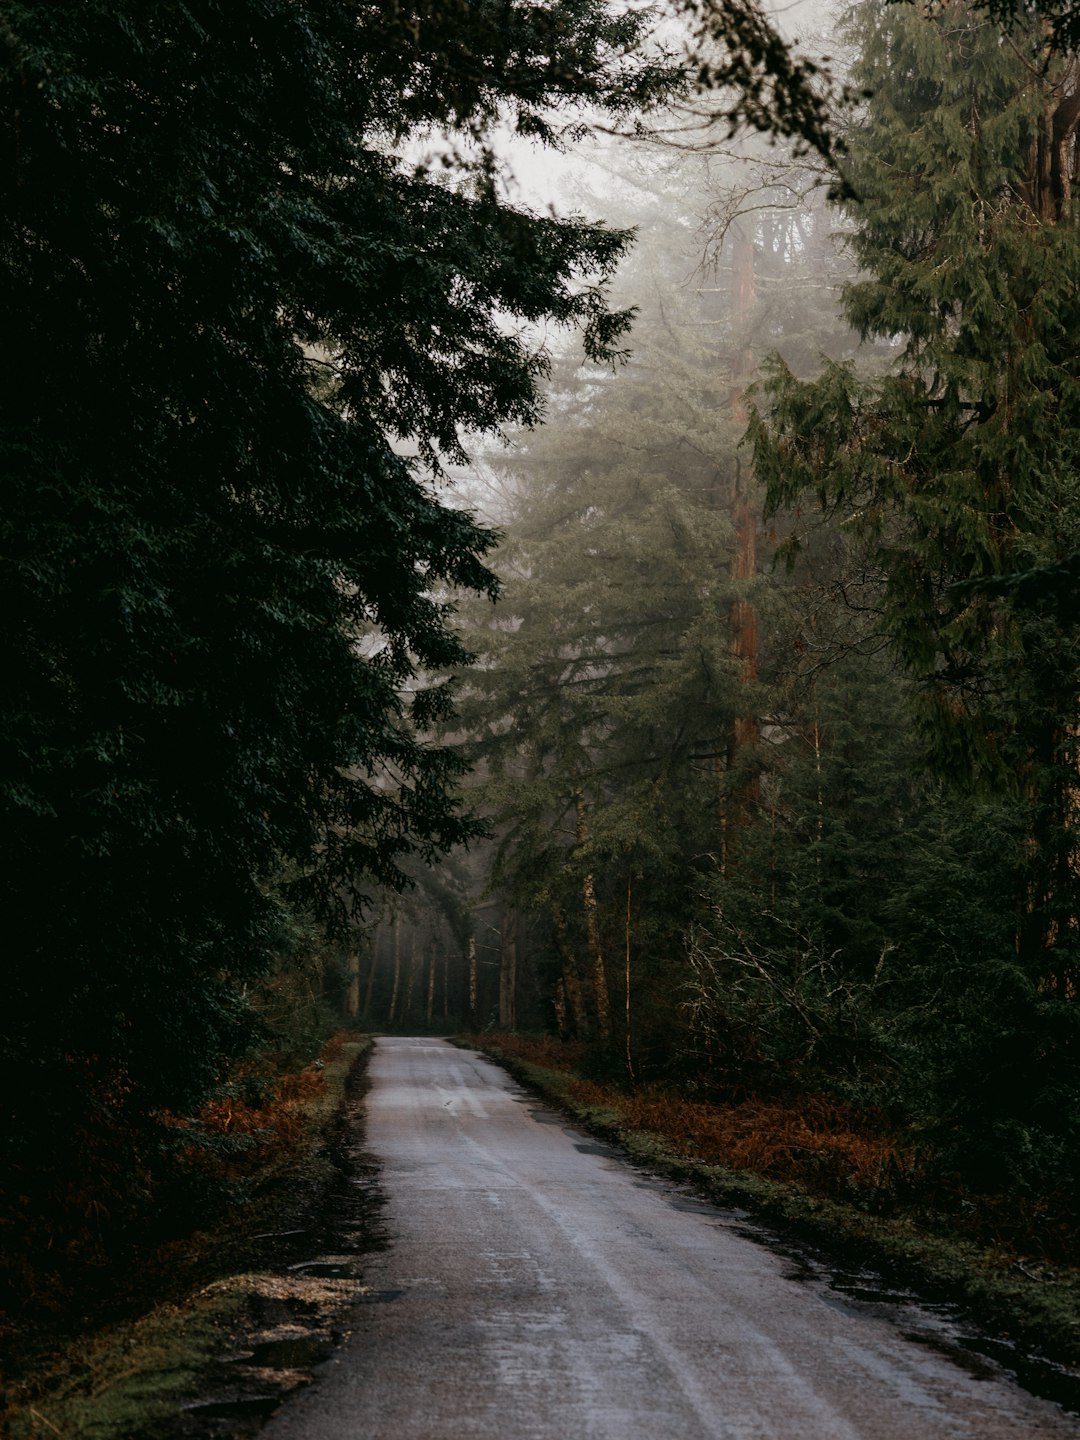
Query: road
[[537, 1287]]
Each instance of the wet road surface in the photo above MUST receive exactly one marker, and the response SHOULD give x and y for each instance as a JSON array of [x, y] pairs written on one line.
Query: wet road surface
[[536, 1287]]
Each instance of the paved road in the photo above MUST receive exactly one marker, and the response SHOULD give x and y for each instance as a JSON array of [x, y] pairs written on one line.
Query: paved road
[[538, 1288]]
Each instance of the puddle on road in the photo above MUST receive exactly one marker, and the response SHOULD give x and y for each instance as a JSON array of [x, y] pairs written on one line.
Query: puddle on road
[[694, 1207], [327, 1268], [543, 1116], [259, 1407], [973, 1364], [1041, 1377], [379, 1297], [294, 1352]]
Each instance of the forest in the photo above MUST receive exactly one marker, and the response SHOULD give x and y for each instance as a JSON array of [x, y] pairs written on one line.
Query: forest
[[774, 723], [646, 624]]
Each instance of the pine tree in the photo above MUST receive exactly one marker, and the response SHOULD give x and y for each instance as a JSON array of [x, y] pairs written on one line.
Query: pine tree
[[955, 472], [237, 308], [960, 465], [608, 684]]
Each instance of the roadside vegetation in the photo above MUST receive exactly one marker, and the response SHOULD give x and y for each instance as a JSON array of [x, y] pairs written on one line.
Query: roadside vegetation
[[125, 1341]]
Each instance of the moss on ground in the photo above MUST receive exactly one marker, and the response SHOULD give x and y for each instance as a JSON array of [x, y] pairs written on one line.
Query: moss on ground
[[130, 1378]]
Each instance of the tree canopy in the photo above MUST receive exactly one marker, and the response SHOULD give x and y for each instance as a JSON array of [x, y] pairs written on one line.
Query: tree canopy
[[265, 286]]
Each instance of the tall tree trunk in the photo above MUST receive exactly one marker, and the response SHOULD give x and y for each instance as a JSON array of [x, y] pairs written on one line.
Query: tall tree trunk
[[820, 827], [745, 729], [431, 985], [1053, 159], [474, 1017], [397, 970], [592, 922], [744, 564], [508, 972], [352, 993], [560, 1007], [371, 977], [446, 984], [406, 1013], [571, 974], [629, 1060]]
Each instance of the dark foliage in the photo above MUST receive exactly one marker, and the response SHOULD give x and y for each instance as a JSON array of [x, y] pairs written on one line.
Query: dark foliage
[[232, 312], [954, 476]]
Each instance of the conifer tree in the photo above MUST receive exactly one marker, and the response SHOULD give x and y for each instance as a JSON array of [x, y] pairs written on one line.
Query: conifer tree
[[608, 684], [959, 466], [956, 471], [239, 309]]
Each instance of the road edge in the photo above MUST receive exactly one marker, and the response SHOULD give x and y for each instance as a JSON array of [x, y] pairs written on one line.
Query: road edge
[[1039, 1318]]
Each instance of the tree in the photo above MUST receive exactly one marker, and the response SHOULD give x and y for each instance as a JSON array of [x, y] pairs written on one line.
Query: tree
[[1058, 20], [959, 467], [607, 684], [248, 332], [955, 473]]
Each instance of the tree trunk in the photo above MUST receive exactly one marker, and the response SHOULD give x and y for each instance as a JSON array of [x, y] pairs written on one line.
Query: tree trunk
[[744, 624], [352, 993], [474, 1018], [592, 923], [629, 1061], [744, 564], [820, 829], [397, 970], [560, 1007], [571, 975], [1052, 156], [508, 973], [371, 977], [406, 1013]]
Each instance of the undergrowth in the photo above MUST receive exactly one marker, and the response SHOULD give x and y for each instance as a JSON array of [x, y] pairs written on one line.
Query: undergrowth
[[820, 1143], [124, 1334], [825, 1147], [815, 1141], [262, 1119]]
